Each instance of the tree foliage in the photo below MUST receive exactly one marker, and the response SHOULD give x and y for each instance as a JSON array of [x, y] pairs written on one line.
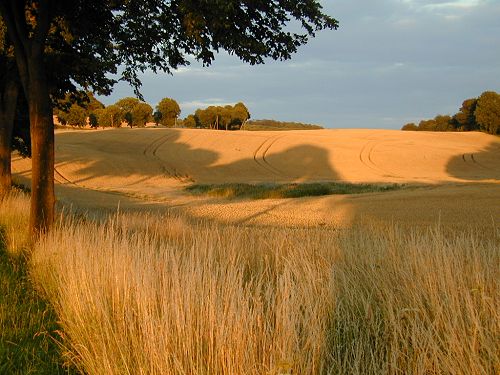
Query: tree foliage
[[464, 119], [190, 122], [481, 113], [226, 118], [141, 114], [134, 112], [76, 109], [111, 116], [410, 126], [487, 113], [169, 111]]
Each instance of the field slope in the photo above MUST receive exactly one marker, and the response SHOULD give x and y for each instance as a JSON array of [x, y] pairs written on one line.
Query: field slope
[[456, 175]]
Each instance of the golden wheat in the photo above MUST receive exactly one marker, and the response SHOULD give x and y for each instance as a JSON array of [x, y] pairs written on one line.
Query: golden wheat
[[149, 294], [136, 298]]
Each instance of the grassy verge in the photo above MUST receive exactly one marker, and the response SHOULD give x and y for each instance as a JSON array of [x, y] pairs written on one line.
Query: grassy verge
[[293, 190], [27, 322]]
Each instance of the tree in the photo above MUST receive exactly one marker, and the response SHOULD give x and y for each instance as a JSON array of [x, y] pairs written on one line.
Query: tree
[[105, 34], [427, 125], [76, 116], [169, 110], [141, 114], [134, 112], [93, 120], [240, 115], [443, 123], [190, 122], [48, 36], [9, 92], [157, 117], [207, 117], [227, 117], [487, 113], [111, 116], [127, 104], [465, 119], [76, 108], [410, 126], [128, 118]]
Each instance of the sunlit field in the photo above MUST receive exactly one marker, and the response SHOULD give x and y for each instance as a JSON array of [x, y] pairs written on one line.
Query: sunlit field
[[142, 293], [325, 252]]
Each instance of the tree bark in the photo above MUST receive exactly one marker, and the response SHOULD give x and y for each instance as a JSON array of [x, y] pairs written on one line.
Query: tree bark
[[7, 114], [42, 149]]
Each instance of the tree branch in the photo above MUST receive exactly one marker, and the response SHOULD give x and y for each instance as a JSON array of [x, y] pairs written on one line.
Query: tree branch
[[42, 27], [18, 33]]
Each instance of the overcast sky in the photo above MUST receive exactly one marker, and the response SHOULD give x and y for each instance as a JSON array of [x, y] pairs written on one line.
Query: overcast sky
[[389, 63]]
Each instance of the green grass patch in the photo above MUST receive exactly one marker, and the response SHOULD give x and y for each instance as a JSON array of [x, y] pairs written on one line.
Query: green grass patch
[[27, 322], [294, 190]]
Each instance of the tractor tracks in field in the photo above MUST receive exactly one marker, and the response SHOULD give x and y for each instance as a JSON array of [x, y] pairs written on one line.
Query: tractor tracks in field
[[151, 152], [260, 155], [366, 158], [62, 179], [470, 159]]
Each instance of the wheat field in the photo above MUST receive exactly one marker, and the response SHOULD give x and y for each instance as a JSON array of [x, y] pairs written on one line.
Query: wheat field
[[147, 169], [401, 282]]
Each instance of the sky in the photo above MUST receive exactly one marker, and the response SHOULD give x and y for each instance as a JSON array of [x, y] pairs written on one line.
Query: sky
[[390, 62]]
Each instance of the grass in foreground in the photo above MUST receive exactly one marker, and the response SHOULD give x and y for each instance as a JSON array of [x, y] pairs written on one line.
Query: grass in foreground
[[27, 322], [157, 295], [142, 294], [292, 190]]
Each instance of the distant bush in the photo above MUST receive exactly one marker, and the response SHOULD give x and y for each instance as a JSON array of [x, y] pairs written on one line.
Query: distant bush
[[278, 125], [410, 126]]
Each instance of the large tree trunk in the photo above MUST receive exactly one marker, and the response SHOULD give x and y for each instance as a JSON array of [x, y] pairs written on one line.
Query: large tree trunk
[[42, 149], [29, 53], [7, 113]]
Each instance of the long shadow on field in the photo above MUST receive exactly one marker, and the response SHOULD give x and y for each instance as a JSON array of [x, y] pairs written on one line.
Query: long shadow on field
[[141, 160], [478, 166], [139, 155], [459, 206], [131, 155]]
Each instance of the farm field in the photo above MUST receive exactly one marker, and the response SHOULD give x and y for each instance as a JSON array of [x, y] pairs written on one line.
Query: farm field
[[450, 177], [144, 277]]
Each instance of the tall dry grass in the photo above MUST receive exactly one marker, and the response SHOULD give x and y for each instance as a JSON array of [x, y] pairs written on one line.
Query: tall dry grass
[[14, 218], [143, 294]]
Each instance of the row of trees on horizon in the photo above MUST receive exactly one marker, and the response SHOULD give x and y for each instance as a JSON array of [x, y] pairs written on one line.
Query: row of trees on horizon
[[134, 112], [475, 114]]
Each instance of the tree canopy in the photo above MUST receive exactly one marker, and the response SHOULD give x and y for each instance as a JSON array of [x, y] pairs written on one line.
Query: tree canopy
[[487, 113], [222, 117], [168, 111]]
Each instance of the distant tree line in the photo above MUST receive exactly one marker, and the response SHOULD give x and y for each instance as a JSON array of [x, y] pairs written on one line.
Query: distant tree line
[[87, 110], [220, 118], [480, 114]]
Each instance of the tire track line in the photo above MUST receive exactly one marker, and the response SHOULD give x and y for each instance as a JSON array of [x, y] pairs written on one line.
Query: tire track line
[[480, 164], [151, 151], [264, 154], [365, 156], [260, 160]]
